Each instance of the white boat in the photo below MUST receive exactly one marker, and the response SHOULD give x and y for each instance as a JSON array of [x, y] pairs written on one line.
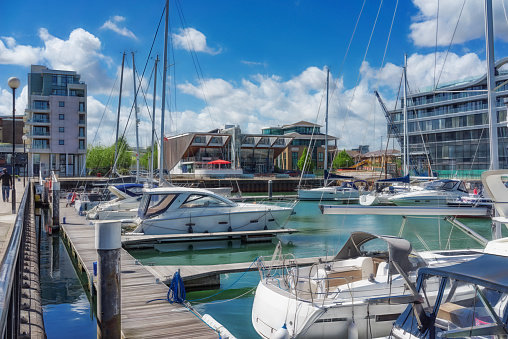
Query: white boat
[[329, 298], [177, 210], [124, 206], [347, 191], [382, 193], [435, 193]]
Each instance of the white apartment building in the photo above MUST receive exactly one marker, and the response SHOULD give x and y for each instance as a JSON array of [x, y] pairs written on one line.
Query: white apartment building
[[55, 122]]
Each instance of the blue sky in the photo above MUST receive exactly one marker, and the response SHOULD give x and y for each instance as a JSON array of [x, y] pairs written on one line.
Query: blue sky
[[252, 63]]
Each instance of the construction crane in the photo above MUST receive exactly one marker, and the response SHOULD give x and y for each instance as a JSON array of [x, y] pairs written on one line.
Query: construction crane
[[393, 127]]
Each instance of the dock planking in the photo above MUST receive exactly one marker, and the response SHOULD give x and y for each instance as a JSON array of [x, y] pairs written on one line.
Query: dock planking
[[140, 319]]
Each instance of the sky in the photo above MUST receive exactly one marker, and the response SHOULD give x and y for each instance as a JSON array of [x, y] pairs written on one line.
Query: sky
[[249, 63]]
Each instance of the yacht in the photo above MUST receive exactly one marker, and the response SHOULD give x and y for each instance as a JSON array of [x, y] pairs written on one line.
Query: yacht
[[176, 210], [123, 206], [347, 191], [384, 189], [434, 193]]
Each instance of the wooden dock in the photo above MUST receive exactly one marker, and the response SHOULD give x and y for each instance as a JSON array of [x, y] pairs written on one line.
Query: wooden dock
[[140, 319]]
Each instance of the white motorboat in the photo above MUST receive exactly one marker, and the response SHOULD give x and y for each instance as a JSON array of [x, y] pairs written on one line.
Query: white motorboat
[[176, 210], [434, 193], [328, 298], [124, 206], [347, 191], [385, 189]]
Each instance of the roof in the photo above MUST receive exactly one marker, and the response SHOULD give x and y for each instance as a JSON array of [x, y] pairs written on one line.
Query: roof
[[302, 123], [484, 271]]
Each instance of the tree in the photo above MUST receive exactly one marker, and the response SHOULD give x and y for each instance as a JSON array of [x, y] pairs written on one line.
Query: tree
[[144, 160], [342, 160], [100, 159], [305, 163]]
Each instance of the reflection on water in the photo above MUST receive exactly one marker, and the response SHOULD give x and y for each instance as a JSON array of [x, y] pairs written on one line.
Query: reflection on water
[[66, 308]]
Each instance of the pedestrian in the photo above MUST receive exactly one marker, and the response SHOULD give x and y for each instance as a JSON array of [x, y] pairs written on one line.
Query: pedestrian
[[6, 179]]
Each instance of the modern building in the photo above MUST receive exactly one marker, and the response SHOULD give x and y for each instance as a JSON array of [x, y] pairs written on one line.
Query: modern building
[[55, 122], [449, 127], [305, 135]]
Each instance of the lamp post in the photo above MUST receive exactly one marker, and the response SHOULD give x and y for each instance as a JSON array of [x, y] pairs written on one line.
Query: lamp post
[[13, 83], [24, 155]]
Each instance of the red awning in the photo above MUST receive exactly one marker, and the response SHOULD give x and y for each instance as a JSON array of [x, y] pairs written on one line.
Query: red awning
[[219, 162]]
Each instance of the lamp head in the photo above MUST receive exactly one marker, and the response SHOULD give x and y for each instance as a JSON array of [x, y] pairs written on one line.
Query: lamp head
[[13, 82]]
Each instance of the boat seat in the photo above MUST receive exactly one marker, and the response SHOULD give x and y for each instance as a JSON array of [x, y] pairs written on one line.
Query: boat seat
[[343, 275]]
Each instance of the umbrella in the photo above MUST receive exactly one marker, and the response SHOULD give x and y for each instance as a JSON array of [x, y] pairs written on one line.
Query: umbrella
[[219, 162]]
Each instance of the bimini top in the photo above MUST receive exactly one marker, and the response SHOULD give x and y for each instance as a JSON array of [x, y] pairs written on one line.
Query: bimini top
[[399, 249], [487, 270], [126, 190], [399, 179]]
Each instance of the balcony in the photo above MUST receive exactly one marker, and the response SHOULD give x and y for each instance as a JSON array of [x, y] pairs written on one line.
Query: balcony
[[82, 135], [37, 121], [39, 134], [39, 146], [82, 122]]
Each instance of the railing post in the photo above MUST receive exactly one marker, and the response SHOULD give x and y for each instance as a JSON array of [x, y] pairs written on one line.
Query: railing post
[[55, 193], [108, 244], [270, 190]]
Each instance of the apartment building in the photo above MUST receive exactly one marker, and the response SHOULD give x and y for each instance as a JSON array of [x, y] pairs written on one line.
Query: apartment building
[[55, 122], [449, 127]]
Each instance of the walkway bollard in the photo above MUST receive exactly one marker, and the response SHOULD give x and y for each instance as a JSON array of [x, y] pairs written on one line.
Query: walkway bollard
[[55, 194], [108, 244], [269, 190]]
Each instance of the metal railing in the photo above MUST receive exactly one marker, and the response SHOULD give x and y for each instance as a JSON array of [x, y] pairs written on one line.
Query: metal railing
[[11, 271]]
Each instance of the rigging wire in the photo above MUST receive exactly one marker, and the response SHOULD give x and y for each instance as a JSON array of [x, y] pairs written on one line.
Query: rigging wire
[[435, 50]]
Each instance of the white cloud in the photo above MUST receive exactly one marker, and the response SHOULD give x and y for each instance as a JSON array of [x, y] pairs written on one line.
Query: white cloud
[[113, 26], [191, 39], [13, 54], [471, 25], [6, 100]]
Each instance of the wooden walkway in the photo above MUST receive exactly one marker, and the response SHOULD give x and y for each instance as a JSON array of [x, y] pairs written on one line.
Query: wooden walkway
[[157, 319]]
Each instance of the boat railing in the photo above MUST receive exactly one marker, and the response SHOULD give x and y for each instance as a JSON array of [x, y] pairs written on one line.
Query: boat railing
[[11, 270]]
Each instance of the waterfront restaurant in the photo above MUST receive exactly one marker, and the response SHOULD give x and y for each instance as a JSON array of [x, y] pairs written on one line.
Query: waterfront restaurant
[[194, 154]]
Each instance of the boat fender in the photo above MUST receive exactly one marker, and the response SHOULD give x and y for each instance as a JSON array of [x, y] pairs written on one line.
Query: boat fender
[[352, 330], [282, 333]]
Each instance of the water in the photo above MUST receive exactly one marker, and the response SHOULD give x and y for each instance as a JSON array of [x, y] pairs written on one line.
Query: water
[[67, 309]]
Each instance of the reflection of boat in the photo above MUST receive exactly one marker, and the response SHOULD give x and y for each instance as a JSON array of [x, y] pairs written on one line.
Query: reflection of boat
[[347, 191], [127, 199], [324, 300], [175, 210], [435, 193]]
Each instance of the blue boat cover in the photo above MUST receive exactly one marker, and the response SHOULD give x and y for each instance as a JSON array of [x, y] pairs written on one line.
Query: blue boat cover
[[400, 179], [488, 270]]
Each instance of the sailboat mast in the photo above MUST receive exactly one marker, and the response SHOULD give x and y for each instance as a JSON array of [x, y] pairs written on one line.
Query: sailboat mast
[[326, 121], [118, 116], [137, 118], [153, 119], [406, 157], [489, 38], [164, 70]]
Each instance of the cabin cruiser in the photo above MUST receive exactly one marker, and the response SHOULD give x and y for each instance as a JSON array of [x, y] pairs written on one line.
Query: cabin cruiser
[[347, 191], [325, 299], [384, 189], [124, 206], [176, 210], [434, 193]]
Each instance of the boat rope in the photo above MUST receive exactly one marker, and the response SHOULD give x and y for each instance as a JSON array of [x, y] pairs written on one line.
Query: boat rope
[[191, 309], [228, 300], [176, 292]]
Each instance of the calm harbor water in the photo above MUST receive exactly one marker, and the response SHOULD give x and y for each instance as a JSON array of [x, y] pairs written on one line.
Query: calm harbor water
[[65, 302]]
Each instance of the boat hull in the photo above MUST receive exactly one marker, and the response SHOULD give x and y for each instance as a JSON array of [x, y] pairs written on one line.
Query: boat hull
[[328, 194]]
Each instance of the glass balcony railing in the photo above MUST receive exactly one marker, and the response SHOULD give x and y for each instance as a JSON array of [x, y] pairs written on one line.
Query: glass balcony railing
[[39, 120], [39, 146], [81, 122], [40, 133]]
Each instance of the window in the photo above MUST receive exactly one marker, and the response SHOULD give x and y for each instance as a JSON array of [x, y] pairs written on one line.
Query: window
[[321, 157], [81, 131], [156, 203], [61, 142], [61, 116], [294, 160], [82, 144], [61, 129], [199, 200], [61, 104], [81, 106]]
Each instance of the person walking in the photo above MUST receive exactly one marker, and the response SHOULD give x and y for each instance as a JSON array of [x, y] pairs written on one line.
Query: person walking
[[6, 179]]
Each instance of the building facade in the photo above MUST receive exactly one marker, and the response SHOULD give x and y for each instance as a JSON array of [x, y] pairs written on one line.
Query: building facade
[[6, 145], [449, 127], [55, 122], [305, 135]]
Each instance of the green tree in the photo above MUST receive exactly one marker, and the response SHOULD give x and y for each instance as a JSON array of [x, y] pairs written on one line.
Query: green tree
[[342, 160], [100, 159], [144, 160], [309, 165]]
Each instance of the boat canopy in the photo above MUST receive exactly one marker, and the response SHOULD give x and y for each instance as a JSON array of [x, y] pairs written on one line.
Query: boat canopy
[[399, 249], [127, 190], [404, 179], [484, 271], [329, 175]]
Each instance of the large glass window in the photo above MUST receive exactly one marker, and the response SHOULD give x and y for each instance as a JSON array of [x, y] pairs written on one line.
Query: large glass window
[[158, 203], [200, 200]]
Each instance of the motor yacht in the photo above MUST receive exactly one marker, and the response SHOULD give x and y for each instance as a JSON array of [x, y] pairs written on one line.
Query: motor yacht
[[347, 192], [434, 193]]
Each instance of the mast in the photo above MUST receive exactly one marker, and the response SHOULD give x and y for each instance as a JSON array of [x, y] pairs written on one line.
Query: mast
[[136, 115], [406, 155], [326, 121], [489, 38], [118, 117], [164, 69], [153, 119]]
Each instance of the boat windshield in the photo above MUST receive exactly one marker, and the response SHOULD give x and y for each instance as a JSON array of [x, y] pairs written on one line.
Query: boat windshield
[[464, 305], [157, 204], [202, 200], [441, 185]]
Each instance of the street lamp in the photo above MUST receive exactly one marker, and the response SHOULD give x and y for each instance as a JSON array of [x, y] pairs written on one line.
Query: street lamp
[[13, 83], [24, 154]]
